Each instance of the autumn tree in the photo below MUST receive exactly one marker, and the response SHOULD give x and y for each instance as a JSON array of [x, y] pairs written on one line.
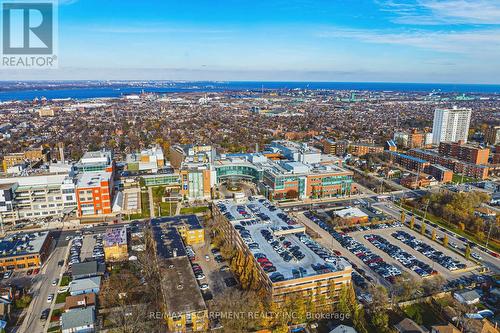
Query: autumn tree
[[445, 240], [467, 251], [433, 234]]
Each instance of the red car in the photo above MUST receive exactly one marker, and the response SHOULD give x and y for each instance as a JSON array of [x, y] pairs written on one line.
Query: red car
[[35, 272], [262, 260]]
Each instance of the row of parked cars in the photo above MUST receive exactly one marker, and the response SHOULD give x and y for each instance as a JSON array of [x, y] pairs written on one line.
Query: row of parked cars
[[406, 259], [284, 248], [198, 273], [76, 246], [190, 253], [98, 251], [323, 253], [264, 262], [428, 251], [372, 227], [375, 262]]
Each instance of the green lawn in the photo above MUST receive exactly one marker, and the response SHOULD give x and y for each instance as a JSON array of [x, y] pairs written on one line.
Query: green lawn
[[54, 329], [65, 280], [61, 298], [193, 210], [459, 179], [455, 229], [168, 209]]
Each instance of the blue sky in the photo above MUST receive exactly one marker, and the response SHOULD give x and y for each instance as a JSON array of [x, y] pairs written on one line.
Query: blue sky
[[301, 40]]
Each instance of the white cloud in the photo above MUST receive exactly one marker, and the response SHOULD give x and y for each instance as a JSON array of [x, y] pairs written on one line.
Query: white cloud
[[437, 12], [484, 43]]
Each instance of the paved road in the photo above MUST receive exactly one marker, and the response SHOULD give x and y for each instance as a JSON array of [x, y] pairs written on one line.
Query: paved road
[[42, 287], [488, 260]]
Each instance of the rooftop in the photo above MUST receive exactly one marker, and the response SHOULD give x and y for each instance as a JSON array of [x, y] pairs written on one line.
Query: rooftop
[[22, 244], [350, 212], [180, 288], [115, 236], [93, 179], [257, 215], [78, 318], [416, 159], [85, 284], [168, 240]]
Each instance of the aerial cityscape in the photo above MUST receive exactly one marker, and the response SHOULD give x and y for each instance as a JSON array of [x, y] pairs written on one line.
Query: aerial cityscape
[[300, 166]]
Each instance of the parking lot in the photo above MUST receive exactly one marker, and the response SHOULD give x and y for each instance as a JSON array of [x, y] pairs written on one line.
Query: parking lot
[[403, 248], [214, 273], [381, 257]]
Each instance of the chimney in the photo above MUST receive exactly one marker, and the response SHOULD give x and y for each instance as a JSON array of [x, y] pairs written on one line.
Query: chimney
[[61, 151]]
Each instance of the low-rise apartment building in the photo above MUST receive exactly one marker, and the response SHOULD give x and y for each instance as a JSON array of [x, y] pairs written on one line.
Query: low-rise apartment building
[[467, 169], [464, 152], [184, 307], [94, 193], [361, 149], [116, 244], [409, 162], [24, 250]]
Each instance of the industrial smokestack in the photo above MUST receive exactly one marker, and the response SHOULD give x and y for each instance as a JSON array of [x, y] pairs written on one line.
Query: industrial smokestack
[[61, 151]]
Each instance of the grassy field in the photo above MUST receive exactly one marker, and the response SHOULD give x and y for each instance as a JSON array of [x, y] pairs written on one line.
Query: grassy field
[[459, 179], [65, 280], [168, 209], [439, 221], [61, 298], [193, 210]]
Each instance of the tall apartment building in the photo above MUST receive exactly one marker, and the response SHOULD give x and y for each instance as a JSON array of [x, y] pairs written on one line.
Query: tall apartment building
[[308, 275], [464, 152], [492, 135], [451, 125]]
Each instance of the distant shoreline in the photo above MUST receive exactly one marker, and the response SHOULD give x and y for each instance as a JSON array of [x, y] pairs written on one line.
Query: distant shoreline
[[28, 90]]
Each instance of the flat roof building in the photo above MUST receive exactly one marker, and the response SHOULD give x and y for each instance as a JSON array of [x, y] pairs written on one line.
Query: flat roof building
[[184, 305], [116, 244], [94, 192], [24, 250], [451, 125], [250, 225]]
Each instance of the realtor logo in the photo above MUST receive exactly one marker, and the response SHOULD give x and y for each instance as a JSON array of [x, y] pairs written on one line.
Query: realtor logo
[[28, 33]]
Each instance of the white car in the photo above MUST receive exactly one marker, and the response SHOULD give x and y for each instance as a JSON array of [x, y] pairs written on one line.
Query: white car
[[54, 282], [63, 290], [204, 286], [50, 298], [476, 256], [207, 257]]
